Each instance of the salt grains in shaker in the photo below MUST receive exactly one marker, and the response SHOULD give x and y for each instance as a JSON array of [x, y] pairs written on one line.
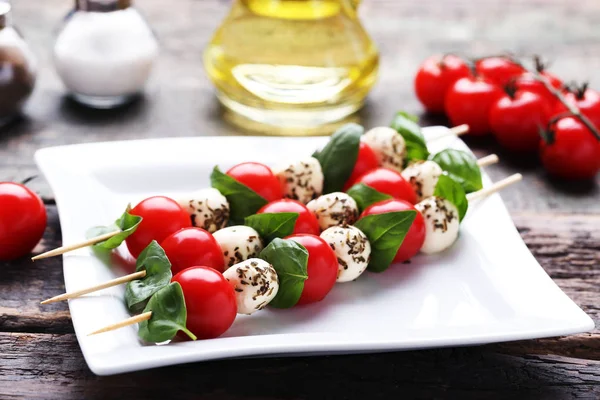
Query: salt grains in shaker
[[104, 52], [17, 68]]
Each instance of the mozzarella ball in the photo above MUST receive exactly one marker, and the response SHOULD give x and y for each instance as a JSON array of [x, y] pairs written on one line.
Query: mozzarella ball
[[352, 249], [441, 224], [301, 180], [388, 145], [238, 243], [334, 209], [423, 176], [254, 283], [208, 209]]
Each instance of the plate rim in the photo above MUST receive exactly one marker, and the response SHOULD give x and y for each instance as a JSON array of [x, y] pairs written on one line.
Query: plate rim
[[94, 361]]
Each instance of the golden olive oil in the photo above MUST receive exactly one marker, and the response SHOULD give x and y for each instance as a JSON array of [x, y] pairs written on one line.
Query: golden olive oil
[[291, 66]]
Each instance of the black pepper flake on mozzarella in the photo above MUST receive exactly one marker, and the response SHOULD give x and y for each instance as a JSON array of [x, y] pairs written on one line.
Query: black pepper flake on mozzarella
[[441, 224], [334, 209], [208, 209], [423, 177], [302, 180], [352, 249], [255, 284], [238, 243], [389, 146]]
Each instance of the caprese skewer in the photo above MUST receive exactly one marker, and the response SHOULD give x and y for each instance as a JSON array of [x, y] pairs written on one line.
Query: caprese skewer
[[284, 237]]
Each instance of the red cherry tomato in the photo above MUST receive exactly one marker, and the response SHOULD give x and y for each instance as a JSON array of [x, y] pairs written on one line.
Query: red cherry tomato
[[435, 76], [528, 83], [190, 247], [162, 216], [22, 220], [306, 222], [209, 300], [416, 234], [574, 153], [322, 268], [588, 102], [366, 161], [389, 182], [257, 177], [500, 70], [469, 101], [515, 121]]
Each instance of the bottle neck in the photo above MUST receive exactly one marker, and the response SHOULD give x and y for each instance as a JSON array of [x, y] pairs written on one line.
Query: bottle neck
[[102, 5]]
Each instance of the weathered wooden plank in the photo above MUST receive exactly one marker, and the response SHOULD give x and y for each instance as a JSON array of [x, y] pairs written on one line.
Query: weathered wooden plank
[[181, 102], [44, 366]]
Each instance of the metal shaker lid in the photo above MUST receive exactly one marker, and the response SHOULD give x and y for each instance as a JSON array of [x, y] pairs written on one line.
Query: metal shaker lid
[[4, 15], [102, 5]]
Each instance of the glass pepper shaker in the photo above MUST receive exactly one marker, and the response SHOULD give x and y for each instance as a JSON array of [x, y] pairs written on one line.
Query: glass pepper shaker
[[104, 52], [17, 67]]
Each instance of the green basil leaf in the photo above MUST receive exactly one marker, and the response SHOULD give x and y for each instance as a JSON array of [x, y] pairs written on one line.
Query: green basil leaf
[[338, 157], [460, 166], [406, 125], [447, 188], [386, 233], [127, 223], [158, 275], [290, 260], [169, 315], [272, 225], [365, 195], [243, 201]]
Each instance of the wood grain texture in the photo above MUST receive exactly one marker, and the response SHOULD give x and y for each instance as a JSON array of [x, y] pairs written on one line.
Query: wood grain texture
[[39, 355], [47, 366], [180, 100]]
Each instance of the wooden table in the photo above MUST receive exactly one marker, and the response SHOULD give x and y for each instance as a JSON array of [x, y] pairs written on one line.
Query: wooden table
[[39, 355]]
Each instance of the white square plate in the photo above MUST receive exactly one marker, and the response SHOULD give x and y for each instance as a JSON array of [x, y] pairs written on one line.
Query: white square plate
[[486, 288]]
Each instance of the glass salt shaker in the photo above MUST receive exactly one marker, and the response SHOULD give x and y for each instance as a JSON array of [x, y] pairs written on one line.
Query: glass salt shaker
[[104, 52], [17, 67]]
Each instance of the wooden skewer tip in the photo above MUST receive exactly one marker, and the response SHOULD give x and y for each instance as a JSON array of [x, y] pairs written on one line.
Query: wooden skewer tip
[[129, 321], [66, 249], [95, 288], [488, 160]]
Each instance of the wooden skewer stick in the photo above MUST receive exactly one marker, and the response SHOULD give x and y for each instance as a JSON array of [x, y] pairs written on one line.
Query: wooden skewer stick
[[496, 187], [488, 160], [71, 247], [454, 131], [111, 283], [459, 129], [129, 321]]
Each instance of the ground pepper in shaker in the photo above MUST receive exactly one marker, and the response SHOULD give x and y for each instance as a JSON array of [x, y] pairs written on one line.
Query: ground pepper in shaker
[[17, 67], [104, 52]]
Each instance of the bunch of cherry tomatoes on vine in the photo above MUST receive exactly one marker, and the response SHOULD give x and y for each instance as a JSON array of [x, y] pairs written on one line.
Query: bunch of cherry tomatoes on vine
[[529, 111]]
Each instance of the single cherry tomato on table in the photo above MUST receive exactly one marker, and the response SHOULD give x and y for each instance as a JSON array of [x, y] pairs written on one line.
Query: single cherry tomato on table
[[415, 237], [322, 268], [516, 119], [259, 178], [572, 151], [365, 162], [435, 76], [500, 70], [190, 247], [389, 182], [528, 83], [469, 101], [22, 220], [588, 102], [306, 222], [209, 300], [161, 216]]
